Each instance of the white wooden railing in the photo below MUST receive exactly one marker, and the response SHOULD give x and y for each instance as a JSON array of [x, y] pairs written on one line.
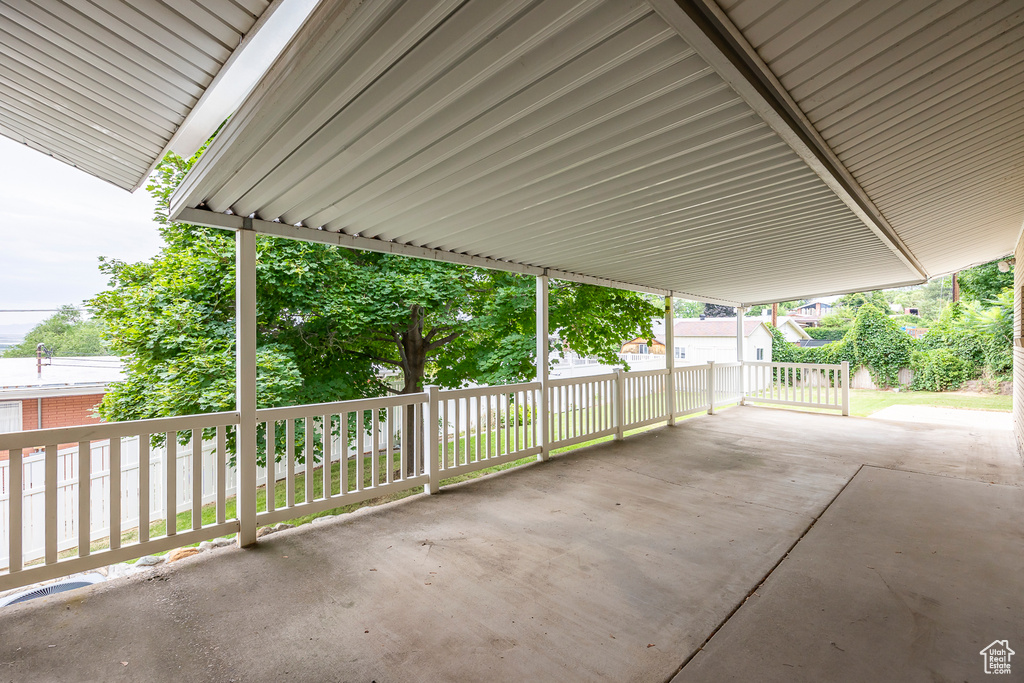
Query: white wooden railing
[[582, 409], [798, 384], [117, 478]]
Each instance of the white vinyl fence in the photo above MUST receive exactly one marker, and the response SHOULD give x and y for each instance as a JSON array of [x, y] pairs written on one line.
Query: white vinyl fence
[[111, 481]]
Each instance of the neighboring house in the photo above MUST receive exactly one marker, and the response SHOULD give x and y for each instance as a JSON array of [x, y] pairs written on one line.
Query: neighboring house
[[699, 341], [789, 327], [814, 309], [63, 394]]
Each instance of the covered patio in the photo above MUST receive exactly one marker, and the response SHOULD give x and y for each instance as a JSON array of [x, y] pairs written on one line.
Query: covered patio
[[725, 151], [718, 549]]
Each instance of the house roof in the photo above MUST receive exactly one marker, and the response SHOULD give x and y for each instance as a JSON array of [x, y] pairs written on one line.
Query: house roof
[[713, 327], [67, 375]]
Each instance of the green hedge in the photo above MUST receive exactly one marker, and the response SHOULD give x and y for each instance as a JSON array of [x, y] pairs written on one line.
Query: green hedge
[[829, 333], [940, 370]]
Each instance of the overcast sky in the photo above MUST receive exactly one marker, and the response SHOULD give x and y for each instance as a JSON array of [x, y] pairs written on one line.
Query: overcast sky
[[55, 222]]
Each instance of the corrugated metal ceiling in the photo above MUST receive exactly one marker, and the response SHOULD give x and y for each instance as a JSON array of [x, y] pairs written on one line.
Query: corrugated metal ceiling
[[576, 135], [104, 84], [922, 101]]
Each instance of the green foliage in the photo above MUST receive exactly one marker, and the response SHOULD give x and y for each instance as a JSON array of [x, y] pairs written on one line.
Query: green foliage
[[65, 333], [854, 301], [880, 344], [984, 283], [840, 317], [830, 333], [328, 319], [684, 308], [782, 350], [939, 370]]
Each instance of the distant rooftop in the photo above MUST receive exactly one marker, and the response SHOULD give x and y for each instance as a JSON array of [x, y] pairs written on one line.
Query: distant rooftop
[[20, 373]]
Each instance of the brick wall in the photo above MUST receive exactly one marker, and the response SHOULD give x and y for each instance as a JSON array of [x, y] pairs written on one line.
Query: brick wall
[[60, 411]]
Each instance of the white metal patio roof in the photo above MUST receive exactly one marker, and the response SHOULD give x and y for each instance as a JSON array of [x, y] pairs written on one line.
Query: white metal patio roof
[[104, 85], [739, 152]]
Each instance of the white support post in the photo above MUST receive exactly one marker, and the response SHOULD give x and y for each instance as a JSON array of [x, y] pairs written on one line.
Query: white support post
[[245, 381], [433, 437], [542, 364], [711, 387], [670, 360], [620, 403], [741, 351], [846, 388]]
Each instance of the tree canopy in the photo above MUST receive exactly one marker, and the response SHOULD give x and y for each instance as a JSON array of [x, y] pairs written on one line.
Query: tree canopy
[[65, 333], [984, 283], [329, 319]]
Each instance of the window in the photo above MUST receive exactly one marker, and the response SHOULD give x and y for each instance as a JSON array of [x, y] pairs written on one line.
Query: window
[[10, 417], [680, 352], [760, 354], [642, 348]]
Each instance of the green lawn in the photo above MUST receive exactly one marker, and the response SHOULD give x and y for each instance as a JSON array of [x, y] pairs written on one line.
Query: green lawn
[[864, 402]]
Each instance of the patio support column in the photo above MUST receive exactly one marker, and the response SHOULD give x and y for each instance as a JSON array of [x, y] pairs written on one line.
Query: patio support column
[[245, 380], [741, 351], [670, 360], [542, 362]]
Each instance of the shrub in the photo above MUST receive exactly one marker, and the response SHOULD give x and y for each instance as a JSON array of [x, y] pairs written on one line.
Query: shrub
[[940, 370], [880, 344], [829, 333]]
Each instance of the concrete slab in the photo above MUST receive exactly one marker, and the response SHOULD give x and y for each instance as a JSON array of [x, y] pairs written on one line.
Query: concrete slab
[[906, 577], [614, 562]]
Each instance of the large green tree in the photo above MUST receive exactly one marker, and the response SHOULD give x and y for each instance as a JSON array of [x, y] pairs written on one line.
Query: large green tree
[[65, 333], [329, 319]]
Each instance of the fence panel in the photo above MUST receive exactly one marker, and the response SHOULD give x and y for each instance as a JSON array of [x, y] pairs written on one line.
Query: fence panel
[[581, 408], [645, 398], [691, 386], [334, 454], [54, 501], [486, 426], [796, 384], [728, 383]]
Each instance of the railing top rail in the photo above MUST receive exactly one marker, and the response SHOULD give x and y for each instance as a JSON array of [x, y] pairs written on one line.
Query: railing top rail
[[808, 366], [335, 407], [690, 368], [586, 379], [448, 394], [647, 373], [113, 430], [730, 365]]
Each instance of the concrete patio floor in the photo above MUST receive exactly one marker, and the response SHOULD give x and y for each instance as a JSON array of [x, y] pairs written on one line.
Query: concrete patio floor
[[623, 562]]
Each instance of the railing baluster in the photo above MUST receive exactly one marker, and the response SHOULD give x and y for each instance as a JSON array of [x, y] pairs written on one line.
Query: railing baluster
[[361, 451], [271, 485], [145, 488], [308, 446], [84, 497], [289, 449], [388, 447], [15, 503], [374, 448], [50, 484], [327, 457], [197, 479], [343, 445], [222, 472], [114, 537], [171, 483]]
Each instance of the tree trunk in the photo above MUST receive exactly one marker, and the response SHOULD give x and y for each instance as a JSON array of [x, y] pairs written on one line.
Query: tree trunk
[[414, 364]]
